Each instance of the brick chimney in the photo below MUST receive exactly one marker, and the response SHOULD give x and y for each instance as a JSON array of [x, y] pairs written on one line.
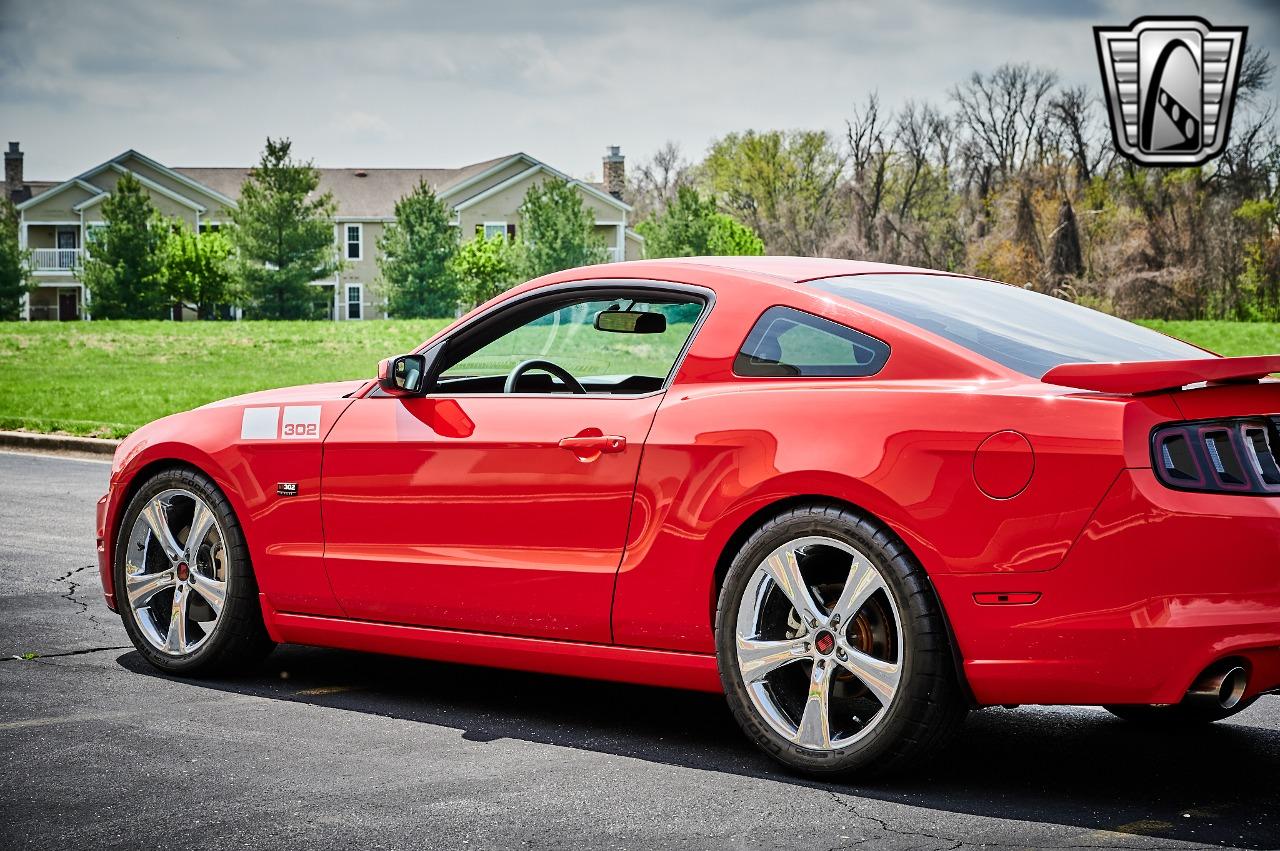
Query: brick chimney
[[615, 172], [13, 184]]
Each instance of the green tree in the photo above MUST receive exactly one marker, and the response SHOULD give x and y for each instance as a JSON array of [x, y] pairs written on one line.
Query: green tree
[[197, 270], [691, 226], [122, 272], [784, 185], [414, 253], [484, 268], [283, 235], [556, 230], [15, 271]]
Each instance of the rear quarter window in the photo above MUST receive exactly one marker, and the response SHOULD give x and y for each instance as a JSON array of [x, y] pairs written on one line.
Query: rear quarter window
[[786, 342]]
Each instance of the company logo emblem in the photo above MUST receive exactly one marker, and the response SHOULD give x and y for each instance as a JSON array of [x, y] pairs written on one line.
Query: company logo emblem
[[1170, 85]]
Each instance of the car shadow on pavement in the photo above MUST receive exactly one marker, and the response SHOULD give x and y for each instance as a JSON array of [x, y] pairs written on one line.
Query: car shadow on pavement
[[1217, 785]]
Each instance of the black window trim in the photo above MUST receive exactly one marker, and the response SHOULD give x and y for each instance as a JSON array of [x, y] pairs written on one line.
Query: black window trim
[[752, 328], [573, 289]]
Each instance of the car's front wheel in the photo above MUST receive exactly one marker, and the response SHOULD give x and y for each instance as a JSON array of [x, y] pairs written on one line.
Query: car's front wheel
[[185, 585], [832, 647]]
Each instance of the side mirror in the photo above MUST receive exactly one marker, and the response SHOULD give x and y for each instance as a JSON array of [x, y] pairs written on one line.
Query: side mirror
[[631, 322], [402, 375]]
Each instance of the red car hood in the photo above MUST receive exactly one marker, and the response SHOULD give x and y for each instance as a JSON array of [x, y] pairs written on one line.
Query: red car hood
[[302, 393]]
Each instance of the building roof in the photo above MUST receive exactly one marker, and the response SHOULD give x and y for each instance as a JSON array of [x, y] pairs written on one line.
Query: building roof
[[359, 192]]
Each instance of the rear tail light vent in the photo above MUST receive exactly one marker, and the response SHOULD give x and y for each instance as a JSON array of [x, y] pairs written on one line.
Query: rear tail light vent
[[1220, 456]]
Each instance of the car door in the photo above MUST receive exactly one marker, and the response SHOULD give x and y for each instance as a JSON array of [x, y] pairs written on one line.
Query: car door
[[478, 509]]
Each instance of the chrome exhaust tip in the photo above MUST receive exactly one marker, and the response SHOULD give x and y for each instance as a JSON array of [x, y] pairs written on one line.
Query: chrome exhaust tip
[[1222, 686]]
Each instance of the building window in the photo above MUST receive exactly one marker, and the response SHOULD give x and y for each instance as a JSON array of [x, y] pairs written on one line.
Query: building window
[[354, 306], [492, 229], [355, 236], [210, 227]]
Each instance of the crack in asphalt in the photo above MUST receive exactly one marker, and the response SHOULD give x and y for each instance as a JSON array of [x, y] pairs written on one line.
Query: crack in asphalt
[[66, 653], [953, 844], [884, 825], [72, 587]]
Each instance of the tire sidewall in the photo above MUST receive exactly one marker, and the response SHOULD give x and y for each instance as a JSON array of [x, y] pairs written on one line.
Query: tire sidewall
[[866, 751], [233, 541]]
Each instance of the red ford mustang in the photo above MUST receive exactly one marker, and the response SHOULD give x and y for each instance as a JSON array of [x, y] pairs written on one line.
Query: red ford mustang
[[859, 499]]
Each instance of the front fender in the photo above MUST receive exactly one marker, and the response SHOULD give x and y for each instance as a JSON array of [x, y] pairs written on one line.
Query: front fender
[[283, 532]]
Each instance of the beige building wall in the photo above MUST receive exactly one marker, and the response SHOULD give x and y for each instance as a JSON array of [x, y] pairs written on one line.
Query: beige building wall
[[635, 247], [362, 272], [504, 206], [469, 190], [58, 208]]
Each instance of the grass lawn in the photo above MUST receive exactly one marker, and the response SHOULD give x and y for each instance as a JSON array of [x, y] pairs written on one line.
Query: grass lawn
[[1233, 339], [107, 378]]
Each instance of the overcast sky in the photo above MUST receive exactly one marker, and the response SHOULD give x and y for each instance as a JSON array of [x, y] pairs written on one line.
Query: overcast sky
[[435, 84]]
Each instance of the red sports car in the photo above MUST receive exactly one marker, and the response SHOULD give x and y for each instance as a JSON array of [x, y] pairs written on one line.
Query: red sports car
[[859, 499]]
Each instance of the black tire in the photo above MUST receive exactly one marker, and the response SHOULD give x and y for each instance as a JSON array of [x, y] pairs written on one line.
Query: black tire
[[1176, 715], [239, 640], [928, 707]]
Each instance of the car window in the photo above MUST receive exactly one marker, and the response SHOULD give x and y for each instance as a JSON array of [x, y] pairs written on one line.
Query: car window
[[1026, 331], [566, 335], [788, 342]]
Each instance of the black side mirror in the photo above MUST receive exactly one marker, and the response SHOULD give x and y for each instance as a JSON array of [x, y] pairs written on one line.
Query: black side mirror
[[402, 375], [631, 321]]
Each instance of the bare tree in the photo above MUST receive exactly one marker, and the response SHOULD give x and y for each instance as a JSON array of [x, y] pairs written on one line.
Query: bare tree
[[869, 158], [1073, 111], [1256, 71], [1003, 114], [656, 181]]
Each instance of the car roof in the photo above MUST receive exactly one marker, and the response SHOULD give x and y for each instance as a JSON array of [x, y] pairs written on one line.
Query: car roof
[[792, 269]]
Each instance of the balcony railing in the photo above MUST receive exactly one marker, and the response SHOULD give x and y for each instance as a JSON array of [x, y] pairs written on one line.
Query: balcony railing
[[55, 259]]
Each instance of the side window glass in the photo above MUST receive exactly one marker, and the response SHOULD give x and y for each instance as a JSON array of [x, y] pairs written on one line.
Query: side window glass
[[791, 343], [625, 360]]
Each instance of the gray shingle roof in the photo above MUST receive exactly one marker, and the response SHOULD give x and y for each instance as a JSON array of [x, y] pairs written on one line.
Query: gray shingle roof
[[359, 192]]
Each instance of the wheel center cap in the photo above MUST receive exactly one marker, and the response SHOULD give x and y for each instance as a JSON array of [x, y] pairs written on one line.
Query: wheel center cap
[[183, 571], [825, 642]]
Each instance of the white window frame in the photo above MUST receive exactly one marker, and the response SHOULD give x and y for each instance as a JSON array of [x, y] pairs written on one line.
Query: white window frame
[[501, 226], [346, 292], [346, 241]]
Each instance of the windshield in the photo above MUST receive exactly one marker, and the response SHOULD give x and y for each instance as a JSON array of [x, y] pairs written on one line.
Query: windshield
[[1023, 330]]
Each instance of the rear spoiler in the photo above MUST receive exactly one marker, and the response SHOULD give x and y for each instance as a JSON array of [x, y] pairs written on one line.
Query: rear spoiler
[[1151, 376]]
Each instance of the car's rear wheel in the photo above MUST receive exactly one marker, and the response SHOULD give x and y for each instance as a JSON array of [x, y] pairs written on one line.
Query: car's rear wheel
[[185, 586], [1176, 715], [832, 647]]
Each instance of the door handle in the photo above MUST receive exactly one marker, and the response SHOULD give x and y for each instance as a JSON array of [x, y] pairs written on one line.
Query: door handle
[[589, 444]]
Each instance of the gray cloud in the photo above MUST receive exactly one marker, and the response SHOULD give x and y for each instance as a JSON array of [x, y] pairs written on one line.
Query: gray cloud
[[406, 83]]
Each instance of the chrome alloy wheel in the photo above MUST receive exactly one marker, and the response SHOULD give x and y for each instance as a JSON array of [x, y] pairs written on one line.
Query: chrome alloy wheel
[[819, 643], [175, 571]]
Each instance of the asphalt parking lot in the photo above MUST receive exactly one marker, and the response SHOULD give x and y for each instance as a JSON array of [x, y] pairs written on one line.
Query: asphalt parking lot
[[325, 748]]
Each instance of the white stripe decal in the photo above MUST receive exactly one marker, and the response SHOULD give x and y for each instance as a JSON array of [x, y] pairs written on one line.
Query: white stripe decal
[[260, 424]]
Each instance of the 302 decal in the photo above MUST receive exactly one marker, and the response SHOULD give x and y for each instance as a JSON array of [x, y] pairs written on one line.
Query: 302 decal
[[294, 422]]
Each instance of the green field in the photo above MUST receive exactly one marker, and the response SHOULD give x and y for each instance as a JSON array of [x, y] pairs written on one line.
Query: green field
[[107, 378]]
